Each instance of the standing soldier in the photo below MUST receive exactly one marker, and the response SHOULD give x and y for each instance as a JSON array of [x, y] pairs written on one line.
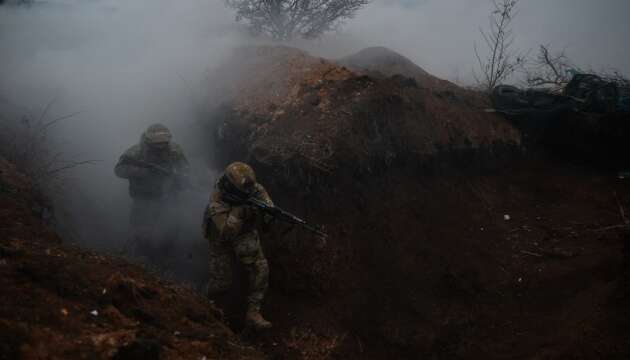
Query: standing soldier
[[154, 168], [231, 229]]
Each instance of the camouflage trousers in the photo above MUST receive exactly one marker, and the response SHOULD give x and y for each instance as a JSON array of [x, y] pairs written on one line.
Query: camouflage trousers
[[244, 251]]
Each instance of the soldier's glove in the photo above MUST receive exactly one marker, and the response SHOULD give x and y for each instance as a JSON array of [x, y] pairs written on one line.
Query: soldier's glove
[[233, 224]]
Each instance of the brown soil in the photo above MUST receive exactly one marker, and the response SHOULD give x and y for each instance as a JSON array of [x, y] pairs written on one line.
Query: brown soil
[[428, 265], [413, 184], [312, 118], [60, 302]]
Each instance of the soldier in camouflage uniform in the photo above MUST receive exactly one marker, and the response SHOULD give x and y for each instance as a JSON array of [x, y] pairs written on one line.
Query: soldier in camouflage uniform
[[153, 168], [233, 236]]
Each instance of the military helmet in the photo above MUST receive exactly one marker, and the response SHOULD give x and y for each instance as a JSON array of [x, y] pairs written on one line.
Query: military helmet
[[241, 176], [156, 134]]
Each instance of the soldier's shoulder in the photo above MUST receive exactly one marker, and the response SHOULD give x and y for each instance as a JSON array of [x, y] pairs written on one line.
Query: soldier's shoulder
[[133, 152]]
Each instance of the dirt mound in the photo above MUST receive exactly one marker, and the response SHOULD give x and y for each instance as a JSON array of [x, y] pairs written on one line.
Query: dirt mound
[[60, 302], [444, 241], [381, 61], [384, 60], [313, 118]]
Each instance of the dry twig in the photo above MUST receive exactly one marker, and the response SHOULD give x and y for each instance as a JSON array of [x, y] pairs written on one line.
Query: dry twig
[[622, 212], [501, 61], [531, 253]]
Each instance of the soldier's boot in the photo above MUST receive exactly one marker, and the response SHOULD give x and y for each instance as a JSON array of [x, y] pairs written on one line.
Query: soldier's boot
[[254, 319]]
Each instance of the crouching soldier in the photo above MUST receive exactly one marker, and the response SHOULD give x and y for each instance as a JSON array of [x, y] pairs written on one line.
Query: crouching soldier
[[154, 168], [231, 229]]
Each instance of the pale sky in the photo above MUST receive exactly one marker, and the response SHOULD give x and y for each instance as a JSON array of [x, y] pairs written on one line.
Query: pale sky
[[439, 34], [436, 34]]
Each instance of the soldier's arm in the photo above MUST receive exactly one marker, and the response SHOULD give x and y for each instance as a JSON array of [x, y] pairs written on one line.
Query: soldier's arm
[[261, 194], [228, 224], [181, 163], [228, 221], [126, 169]]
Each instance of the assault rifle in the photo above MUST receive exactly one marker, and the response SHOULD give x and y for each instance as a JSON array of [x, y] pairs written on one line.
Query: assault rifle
[[182, 179], [152, 166], [274, 212]]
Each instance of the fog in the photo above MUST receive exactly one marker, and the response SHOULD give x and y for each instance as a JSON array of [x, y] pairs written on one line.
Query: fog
[[124, 65], [439, 35]]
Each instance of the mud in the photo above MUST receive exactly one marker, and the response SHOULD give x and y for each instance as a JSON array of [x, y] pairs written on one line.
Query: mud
[[61, 302]]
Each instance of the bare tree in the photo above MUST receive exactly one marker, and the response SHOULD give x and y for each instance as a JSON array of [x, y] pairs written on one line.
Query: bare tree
[[286, 19], [549, 68], [501, 60]]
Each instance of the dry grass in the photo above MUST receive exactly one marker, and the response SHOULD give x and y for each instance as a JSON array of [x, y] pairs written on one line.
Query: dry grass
[[25, 141]]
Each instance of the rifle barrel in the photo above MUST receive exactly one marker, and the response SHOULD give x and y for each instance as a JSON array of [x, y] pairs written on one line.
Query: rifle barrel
[[276, 212]]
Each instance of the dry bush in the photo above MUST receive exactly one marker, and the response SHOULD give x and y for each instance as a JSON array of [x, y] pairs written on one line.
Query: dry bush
[[616, 77], [555, 69], [549, 68], [25, 142]]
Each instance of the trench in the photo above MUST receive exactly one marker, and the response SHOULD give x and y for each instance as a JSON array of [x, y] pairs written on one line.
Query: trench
[[422, 261]]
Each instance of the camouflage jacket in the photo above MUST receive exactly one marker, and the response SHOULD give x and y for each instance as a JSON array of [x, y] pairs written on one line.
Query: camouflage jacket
[[224, 221], [151, 176]]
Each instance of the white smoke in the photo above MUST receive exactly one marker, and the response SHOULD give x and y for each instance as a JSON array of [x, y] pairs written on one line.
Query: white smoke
[[123, 65]]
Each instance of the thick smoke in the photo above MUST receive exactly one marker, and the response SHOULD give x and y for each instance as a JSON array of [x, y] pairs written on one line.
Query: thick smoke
[[122, 65]]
